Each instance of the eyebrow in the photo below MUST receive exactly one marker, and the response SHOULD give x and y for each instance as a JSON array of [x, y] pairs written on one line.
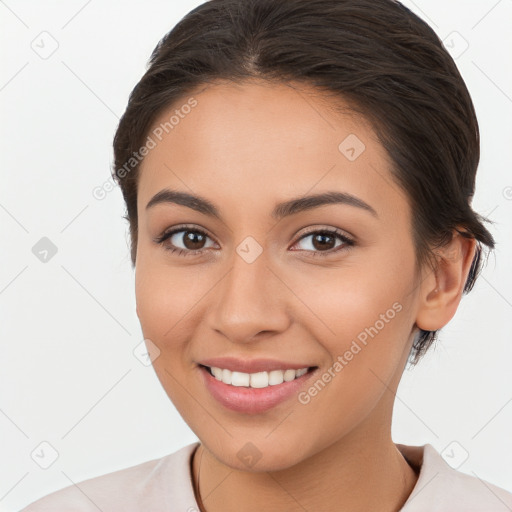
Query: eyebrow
[[281, 210]]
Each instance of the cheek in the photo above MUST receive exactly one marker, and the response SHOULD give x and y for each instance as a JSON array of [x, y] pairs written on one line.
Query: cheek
[[368, 322], [362, 316], [358, 301], [165, 305], [154, 300], [166, 297]]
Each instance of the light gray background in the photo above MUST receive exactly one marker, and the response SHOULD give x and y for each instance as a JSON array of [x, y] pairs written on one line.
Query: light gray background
[[68, 374]]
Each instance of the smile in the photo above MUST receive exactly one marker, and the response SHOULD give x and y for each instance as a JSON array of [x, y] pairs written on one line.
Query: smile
[[256, 380], [255, 386]]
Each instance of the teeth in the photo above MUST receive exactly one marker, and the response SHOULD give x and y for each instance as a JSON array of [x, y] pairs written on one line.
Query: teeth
[[275, 377], [259, 380], [239, 379], [289, 375], [217, 373], [226, 376], [301, 372], [256, 380]]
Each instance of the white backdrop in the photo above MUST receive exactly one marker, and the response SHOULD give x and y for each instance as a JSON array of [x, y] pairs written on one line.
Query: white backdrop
[[68, 374]]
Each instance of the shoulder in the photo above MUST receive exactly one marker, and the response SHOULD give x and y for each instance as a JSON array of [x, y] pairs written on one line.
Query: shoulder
[[440, 488], [150, 484]]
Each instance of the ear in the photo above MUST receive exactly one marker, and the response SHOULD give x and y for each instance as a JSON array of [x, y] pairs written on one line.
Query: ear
[[441, 289]]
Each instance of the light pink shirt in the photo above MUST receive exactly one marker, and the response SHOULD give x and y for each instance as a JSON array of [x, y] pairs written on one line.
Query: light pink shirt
[[165, 485]]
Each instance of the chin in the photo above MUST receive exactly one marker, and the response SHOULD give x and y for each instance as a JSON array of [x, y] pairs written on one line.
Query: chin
[[258, 455]]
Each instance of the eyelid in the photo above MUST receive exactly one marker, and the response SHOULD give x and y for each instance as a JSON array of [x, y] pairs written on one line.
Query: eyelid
[[330, 229], [347, 240], [181, 227]]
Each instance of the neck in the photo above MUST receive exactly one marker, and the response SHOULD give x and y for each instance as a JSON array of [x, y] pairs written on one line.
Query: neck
[[364, 471]]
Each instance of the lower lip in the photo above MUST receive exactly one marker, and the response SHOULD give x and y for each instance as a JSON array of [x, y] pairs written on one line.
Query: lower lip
[[252, 400]]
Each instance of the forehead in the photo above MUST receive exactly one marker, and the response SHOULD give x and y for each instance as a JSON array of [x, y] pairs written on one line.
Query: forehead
[[263, 139]]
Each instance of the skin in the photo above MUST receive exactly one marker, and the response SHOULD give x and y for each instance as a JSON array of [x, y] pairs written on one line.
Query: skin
[[245, 148]]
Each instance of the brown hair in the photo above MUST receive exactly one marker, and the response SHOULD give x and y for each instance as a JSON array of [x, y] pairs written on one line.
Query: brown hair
[[377, 55]]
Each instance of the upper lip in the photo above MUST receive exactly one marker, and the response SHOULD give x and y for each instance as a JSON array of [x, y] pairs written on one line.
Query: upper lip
[[251, 365]]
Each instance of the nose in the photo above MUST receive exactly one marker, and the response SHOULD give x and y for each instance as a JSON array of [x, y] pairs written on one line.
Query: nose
[[250, 302]]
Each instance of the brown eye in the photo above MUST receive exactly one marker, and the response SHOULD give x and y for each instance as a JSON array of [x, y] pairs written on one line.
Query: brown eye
[[324, 241], [186, 241], [193, 240]]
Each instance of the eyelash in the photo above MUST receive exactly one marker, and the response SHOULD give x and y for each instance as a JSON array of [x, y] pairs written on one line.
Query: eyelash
[[348, 242]]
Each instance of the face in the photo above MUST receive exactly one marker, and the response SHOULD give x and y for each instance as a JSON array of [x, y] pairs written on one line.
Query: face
[[251, 277]]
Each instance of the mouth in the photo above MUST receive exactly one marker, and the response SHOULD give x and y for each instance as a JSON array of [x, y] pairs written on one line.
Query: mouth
[[257, 380], [255, 390]]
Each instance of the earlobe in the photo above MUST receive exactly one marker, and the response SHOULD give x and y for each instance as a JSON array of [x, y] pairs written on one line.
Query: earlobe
[[441, 291]]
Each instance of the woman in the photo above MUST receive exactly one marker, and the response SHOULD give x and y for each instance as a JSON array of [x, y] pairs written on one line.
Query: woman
[[298, 177]]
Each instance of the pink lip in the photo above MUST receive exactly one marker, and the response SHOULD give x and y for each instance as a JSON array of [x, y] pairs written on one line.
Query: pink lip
[[252, 400], [252, 365]]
